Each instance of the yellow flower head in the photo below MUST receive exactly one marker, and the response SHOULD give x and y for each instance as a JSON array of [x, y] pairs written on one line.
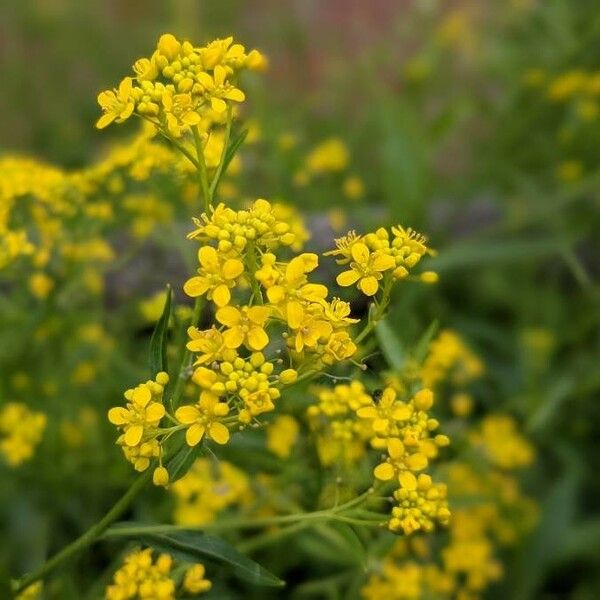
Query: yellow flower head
[[216, 276], [204, 418], [244, 326], [118, 105], [366, 269]]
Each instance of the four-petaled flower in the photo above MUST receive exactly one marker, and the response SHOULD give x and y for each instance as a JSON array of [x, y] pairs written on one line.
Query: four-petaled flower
[[117, 105], [218, 90], [141, 414], [203, 418], [309, 328], [245, 326], [366, 269], [215, 276]]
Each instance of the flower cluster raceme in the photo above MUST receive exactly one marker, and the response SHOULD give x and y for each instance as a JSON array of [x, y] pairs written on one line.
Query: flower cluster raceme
[[237, 368], [380, 258], [141, 577], [181, 87], [21, 430], [405, 431]]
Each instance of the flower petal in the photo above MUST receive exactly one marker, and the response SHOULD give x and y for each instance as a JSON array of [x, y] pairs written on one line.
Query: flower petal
[[384, 471], [187, 414], [229, 316], [347, 278], [194, 434], [368, 286], [218, 432], [133, 435]]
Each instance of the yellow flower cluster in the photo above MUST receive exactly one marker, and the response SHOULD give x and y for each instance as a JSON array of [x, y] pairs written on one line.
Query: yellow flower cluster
[[237, 380], [579, 86], [139, 422], [378, 256], [282, 434], [143, 578], [21, 430], [331, 156], [501, 443], [207, 489], [181, 86], [339, 436], [488, 508], [449, 356], [404, 430]]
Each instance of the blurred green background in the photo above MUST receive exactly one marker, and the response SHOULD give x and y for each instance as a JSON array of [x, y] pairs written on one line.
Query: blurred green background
[[457, 123]]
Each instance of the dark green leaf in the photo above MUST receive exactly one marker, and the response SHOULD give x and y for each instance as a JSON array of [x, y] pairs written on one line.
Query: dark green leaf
[[233, 148], [423, 344], [180, 464], [193, 546], [391, 346], [158, 341]]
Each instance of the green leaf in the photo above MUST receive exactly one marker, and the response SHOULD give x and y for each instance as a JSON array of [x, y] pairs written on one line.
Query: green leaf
[[390, 344], [193, 546], [423, 344], [180, 464], [233, 148], [158, 341]]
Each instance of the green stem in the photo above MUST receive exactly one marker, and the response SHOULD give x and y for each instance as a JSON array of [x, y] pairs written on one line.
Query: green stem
[[186, 357], [270, 537], [379, 311], [201, 166], [336, 514], [256, 293], [219, 171], [90, 536]]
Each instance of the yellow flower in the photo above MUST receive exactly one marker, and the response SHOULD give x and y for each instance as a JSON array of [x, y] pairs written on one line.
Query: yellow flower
[[216, 276], [354, 187], [194, 581], [329, 156], [117, 105], [309, 328], [217, 89], [282, 434], [399, 463], [207, 489], [140, 415], [293, 283], [420, 505], [180, 112], [21, 430], [141, 577], [244, 326], [203, 418], [366, 269], [208, 343]]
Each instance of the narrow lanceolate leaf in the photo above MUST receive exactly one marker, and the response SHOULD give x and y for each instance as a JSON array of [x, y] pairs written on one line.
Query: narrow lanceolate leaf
[[233, 148], [180, 464], [391, 346], [158, 341], [422, 346], [192, 546]]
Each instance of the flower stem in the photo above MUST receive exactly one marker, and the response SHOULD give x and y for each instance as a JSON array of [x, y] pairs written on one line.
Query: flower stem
[[89, 537], [217, 176], [378, 313], [201, 166]]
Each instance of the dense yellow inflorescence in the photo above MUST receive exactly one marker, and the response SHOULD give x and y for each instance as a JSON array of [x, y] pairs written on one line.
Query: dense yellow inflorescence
[[21, 430], [141, 577]]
